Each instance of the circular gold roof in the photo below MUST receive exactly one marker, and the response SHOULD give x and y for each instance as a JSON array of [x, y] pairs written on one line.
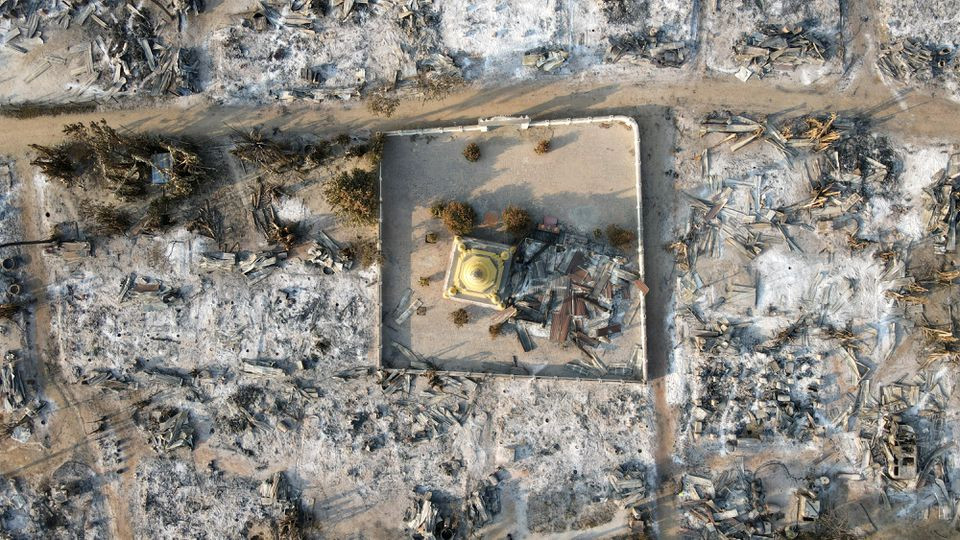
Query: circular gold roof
[[478, 274]]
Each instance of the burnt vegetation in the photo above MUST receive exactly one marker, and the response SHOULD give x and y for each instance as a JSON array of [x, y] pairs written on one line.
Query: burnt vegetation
[[150, 175], [278, 155], [354, 196]]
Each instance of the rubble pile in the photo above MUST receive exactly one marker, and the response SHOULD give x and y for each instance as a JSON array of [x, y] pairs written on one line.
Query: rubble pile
[[805, 133], [324, 51], [908, 59], [127, 54], [442, 406], [254, 266], [650, 46], [761, 398], [265, 218], [173, 499], [169, 428], [569, 289], [430, 519], [66, 504], [13, 391], [276, 491], [136, 287], [545, 59], [733, 505], [945, 193], [901, 430], [780, 48], [328, 256], [483, 504]]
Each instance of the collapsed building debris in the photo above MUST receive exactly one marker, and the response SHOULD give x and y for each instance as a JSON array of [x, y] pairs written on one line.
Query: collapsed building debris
[[568, 289], [650, 45], [945, 215], [780, 48], [330, 257], [13, 391], [545, 59], [907, 59], [733, 505], [427, 519], [142, 287], [483, 504], [276, 491], [255, 266], [169, 428]]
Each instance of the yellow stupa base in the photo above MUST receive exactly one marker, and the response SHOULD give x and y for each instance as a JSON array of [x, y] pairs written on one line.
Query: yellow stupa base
[[478, 272]]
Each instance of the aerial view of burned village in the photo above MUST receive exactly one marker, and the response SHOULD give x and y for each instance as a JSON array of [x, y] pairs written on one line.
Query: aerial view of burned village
[[471, 269]]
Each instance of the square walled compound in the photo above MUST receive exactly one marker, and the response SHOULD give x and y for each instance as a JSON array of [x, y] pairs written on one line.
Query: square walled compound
[[569, 305]]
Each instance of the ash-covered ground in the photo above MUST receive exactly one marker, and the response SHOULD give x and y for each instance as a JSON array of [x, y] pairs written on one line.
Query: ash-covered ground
[[195, 386], [809, 293]]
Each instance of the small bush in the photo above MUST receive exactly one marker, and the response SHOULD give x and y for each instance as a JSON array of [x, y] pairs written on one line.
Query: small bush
[[459, 217], [356, 151], [620, 238], [542, 147], [342, 139], [516, 220], [424, 281], [364, 252], [496, 330], [471, 152], [354, 196], [460, 317], [381, 104], [436, 209], [7, 311]]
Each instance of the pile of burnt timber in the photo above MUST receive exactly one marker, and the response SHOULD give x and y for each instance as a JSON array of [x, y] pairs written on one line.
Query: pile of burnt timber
[[572, 290], [141, 287], [779, 48], [328, 255], [946, 214], [255, 266], [731, 506], [13, 393], [649, 46], [169, 429], [908, 58]]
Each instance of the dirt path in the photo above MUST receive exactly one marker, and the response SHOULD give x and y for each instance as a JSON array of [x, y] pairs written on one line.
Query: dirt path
[[73, 414]]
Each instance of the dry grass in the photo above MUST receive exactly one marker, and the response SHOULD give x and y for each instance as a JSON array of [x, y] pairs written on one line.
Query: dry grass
[[354, 196], [106, 219], [471, 152], [364, 251], [459, 217], [460, 317], [621, 238], [380, 103]]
